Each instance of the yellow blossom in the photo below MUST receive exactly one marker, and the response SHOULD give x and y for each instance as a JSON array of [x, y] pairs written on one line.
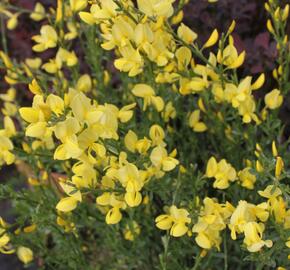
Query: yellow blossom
[[186, 34], [66, 132], [132, 143], [69, 203], [77, 5], [274, 99], [38, 13], [247, 178], [176, 221], [195, 123], [160, 159], [270, 192], [279, 167], [5, 246], [47, 39], [222, 171], [148, 94], [25, 254], [131, 233], [212, 39], [212, 219], [84, 83], [130, 178], [253, 236], [156, 7], [130, 61]]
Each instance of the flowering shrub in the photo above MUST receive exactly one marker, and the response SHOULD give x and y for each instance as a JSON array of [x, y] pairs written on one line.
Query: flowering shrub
[[140, 147]]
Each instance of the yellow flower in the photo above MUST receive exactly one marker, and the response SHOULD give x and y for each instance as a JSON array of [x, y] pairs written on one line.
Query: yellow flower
[[158, 51], [66, 223], [195, 123], [222, 171], [130, 61], [87, 17], [253, 236], [160, 159], [274, 99], [244, 213], [6, 147], [47, 39], [106, 10], [126, 113], [72, 31], [176, 221], [259, 82], [66, 132], [55, 103], [13, 21], [38, 13], [9, 95], [274, 149], [132, 143], [148, 94], [9, 128], [35, 88], [157, 135], [169, 112], [114, 216], [176, 19], [77, 5], [270, 192], [230, 57], [212, 39], [130, 178], [131, 233], [4, 243], [64, 56], [279, 167], [52, 66], [247, 178], [183, 56], [25, 254], [6, 60], [84, 83], [59, 11], [67, 204], [156, 7], [278, 208], [212, 219], [29, 229], [84, 172], [5, 246], [81, 106], [143, 35], [37, 116], [186, 34]]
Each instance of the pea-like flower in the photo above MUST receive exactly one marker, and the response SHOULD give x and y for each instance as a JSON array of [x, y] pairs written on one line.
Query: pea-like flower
[[176, 221], [148, 94], [47, 39], [273, 99], [222, 171]]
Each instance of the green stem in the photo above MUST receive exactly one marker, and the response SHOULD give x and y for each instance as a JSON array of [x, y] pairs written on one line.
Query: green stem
[[197, 262], [3, 34], [225, 252]]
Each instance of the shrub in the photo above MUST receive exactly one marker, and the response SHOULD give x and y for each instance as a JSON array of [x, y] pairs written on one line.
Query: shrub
[[128, 142]]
